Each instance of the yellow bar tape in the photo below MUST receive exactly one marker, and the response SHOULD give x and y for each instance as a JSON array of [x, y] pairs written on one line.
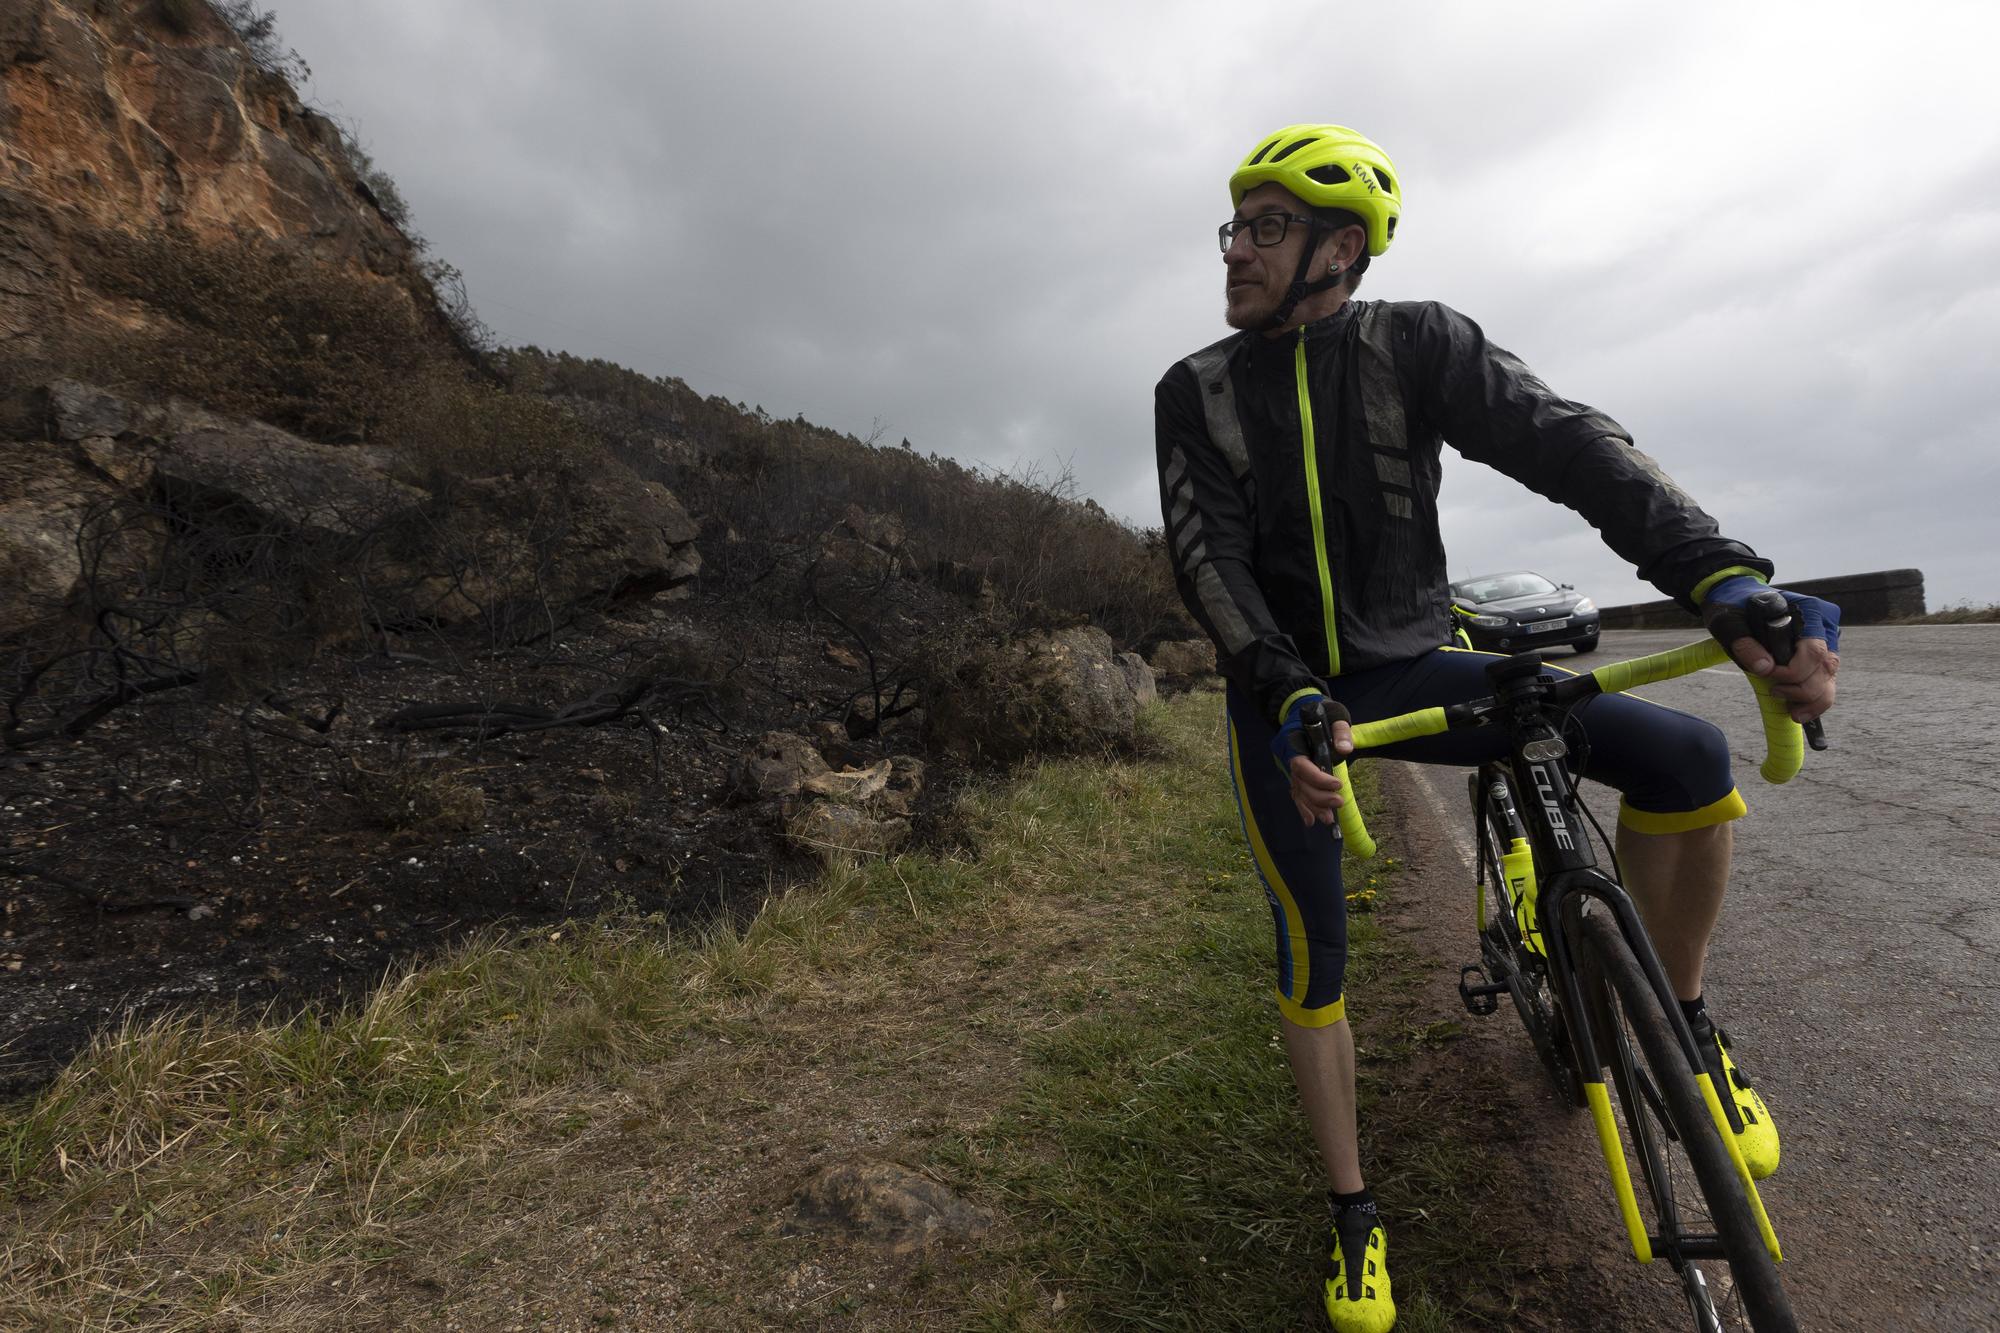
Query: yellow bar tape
[[1621, 1177], [1784, 739], [1402, 727], [1353, 830], [1367, 735], [1682, 661]]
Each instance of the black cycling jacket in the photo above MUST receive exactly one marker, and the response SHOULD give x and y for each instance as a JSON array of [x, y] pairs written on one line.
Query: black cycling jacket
[[1300, 573]]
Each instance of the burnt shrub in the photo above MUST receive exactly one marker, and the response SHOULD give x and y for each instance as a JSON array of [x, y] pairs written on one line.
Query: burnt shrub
[[251, 328], [410, 795], [447, 422], [254, 329], [1047, 555]]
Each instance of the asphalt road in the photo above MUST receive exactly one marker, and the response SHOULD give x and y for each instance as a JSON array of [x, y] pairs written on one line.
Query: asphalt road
[[1858, 966]]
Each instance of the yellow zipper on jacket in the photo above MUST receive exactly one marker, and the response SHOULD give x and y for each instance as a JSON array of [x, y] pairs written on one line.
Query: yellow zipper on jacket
[[1313, 505]]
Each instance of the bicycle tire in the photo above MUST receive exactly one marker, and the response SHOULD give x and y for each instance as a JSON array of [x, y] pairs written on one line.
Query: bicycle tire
[[1684, 1139]]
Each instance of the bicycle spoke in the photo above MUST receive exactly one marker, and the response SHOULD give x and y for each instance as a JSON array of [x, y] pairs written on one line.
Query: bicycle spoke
[[1651, 1092]]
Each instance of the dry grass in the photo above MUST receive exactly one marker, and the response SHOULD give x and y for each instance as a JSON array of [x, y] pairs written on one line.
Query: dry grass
[[1965, 613], [605, 1124]]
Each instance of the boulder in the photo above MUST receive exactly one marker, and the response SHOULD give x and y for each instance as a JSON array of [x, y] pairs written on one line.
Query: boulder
[[854, 786], [271, 478], [1092, 688], [828, 736], [1060, 692], [863, 550], [605, 534], [1183, 658], [885, 1204], [836, 832], [777, 766], [906, 784], [848, 560], [346, 524], [832, 814], [880, 530], [78, 412], [866, 811], [46, 501], [964, 581], [1140, 677]]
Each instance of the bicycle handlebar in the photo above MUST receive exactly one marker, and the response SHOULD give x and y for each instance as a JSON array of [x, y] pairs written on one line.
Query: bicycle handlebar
[[1406, 727], [1685, 660], [1784, 740]]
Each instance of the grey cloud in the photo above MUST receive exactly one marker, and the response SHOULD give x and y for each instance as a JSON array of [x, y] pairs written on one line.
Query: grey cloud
[[990, 227]]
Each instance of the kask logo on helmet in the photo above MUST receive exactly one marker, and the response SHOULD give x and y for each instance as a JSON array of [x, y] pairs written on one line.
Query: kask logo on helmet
[[1361, 173]]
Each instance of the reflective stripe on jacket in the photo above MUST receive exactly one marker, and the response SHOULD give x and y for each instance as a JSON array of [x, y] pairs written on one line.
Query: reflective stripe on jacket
[[1300, 573]]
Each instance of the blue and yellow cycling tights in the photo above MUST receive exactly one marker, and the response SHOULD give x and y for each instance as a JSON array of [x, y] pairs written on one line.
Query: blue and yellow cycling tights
[[1672, 769]]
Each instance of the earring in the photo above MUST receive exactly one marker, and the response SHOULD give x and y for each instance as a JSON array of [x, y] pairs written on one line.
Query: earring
[[1334, 272]]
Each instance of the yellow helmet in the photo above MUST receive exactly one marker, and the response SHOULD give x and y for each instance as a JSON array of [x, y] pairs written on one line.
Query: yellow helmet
[[1328, 166]]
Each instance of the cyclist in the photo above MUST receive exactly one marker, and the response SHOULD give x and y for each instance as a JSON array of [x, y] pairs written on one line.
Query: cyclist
[[1299, 469]]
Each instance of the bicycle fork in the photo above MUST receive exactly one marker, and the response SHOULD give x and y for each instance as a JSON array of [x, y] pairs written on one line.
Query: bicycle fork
[[1578, 887]]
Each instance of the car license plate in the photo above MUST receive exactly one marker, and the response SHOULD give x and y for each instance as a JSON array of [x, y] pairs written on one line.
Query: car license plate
[[1541, 625]]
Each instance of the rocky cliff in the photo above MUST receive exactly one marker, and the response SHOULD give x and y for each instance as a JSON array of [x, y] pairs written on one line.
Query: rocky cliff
[[117, 116]]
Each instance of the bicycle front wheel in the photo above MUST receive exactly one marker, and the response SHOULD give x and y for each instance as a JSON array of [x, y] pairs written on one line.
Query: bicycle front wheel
[[1702, 1221]]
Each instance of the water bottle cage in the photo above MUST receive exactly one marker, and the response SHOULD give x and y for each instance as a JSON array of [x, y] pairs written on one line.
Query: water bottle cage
[[1517, 872]]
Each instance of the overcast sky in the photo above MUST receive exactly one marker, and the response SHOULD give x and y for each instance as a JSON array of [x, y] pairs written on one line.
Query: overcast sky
[[1765, 238]]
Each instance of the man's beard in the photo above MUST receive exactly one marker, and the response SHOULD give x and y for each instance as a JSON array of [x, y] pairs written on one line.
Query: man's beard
[[1248, 317]]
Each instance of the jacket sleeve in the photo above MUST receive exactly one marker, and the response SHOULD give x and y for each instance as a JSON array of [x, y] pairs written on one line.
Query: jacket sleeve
[[1209, 539], [1495, 410]]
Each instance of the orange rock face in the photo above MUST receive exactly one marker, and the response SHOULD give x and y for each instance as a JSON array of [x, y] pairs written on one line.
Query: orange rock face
[[114, 117]]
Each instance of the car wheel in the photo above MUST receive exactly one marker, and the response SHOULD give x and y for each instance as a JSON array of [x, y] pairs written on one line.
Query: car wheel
[[1588, 645]]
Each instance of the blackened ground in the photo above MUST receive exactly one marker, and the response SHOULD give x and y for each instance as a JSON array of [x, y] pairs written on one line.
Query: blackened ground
[[174, 857]]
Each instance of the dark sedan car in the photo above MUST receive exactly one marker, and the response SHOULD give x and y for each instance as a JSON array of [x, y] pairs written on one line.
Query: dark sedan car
[[1519, 610]]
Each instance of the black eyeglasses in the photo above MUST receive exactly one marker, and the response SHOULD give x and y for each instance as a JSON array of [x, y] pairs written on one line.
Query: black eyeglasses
[[1266, 229]]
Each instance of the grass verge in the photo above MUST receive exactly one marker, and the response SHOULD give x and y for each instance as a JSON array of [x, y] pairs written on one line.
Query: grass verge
[[1963, 614], [1155, 1162], [606, 1123]]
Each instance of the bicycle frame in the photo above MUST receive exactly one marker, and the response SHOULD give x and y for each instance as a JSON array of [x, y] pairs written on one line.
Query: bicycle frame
[[1567, 878], [1526, 705]]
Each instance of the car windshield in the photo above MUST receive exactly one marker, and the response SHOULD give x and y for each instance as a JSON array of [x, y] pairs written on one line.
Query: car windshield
[[1499, 587]]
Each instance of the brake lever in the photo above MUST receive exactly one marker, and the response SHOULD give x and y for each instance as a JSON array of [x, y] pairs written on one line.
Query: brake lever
[[1773, 625], [1318, 743]]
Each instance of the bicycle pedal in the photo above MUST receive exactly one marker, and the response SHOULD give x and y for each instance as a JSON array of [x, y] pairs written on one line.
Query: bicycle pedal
[[1483, 998]]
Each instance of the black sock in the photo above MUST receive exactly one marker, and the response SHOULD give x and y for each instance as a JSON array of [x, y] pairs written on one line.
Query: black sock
[[1696, 1008], [1361, 1198]]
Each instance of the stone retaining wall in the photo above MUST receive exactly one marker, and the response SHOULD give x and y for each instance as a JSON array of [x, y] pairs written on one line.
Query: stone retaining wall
[[1864, 599]]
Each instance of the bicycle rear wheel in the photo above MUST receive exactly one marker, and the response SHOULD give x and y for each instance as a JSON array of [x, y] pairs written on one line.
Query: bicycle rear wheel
[[1702, 1220]]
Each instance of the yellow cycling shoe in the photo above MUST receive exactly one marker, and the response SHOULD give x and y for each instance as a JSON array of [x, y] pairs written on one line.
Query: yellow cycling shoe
[[1756, 1132], [1357, 1285]]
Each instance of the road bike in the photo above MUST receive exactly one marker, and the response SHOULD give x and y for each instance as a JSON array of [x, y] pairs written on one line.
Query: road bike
[[1562, 940]]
